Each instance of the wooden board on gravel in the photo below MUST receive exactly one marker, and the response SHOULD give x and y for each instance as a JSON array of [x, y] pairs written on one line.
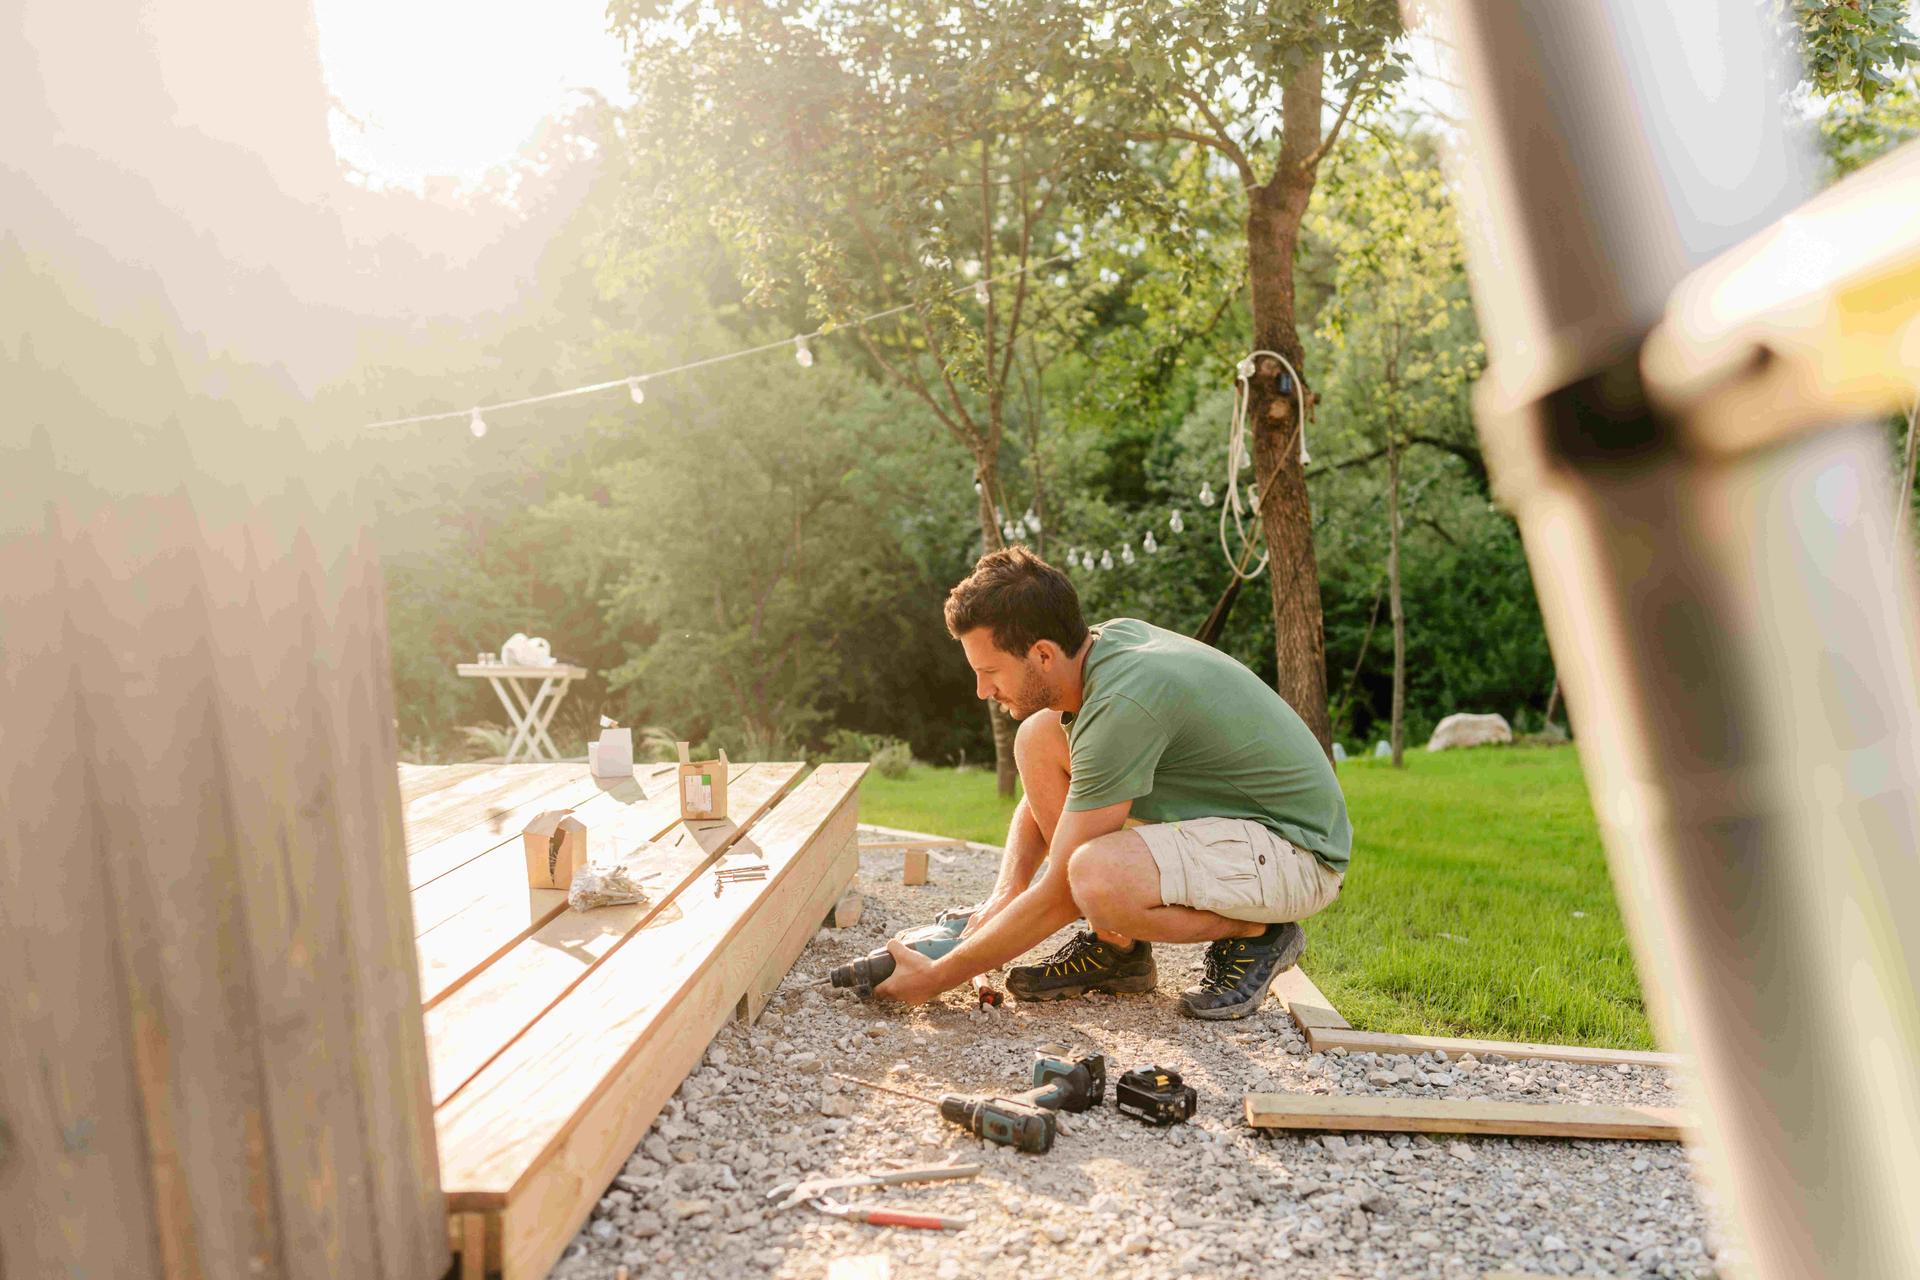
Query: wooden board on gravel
[[1438, 1115], [1321, 1038], [555, 1036]]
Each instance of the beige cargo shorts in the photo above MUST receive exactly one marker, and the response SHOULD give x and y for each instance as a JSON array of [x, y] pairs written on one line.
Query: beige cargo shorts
[[1239, 869]]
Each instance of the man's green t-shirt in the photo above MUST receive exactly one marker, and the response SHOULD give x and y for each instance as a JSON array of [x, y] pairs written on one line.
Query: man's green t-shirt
[[1185, 731]]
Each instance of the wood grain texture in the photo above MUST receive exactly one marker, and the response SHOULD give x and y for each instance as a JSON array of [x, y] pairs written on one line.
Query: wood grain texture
[[833, 881], [239, 902], [1305, 1002], [484, 908], [448, 837], [1320, 1040], [504, 825], [478, 1021], [689, 1003], [499, 1127], [417, 780], [1440, 1115]]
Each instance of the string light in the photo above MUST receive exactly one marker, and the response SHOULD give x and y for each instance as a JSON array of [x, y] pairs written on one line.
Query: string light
[[1031, 520], [978, 488], [1073, 558], [1175, 523], [1126, 553], [477, 425], [635, 390], [1148, 544], [981, 294], [802, 353], [1206, 494], [1106, 559]]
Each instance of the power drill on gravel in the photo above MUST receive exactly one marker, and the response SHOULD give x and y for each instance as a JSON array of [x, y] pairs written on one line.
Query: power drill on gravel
[[932, 941], [1007, 1122]]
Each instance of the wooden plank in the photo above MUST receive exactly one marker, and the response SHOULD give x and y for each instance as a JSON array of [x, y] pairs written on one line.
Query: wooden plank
[[448, 840], [473, 1246], [74, 1178], [691, 999], [469, 801], [417, 780], [475, 1023], [503, 826], [1440, 1115], [913, 867], [485, 907], [1305, 1002], [1321, 1040], [833, 882]]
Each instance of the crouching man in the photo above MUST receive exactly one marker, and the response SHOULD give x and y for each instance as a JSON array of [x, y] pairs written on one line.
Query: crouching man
[[1172, 795]]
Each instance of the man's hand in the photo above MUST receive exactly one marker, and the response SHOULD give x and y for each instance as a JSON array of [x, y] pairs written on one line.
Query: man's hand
[[913, 980]]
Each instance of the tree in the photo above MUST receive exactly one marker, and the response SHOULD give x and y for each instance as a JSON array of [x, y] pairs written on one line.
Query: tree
[[1398, 325], [1248, 86], [866, 161]]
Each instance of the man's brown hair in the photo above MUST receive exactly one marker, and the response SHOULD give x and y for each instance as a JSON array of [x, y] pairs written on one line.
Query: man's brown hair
[[1020, 598]]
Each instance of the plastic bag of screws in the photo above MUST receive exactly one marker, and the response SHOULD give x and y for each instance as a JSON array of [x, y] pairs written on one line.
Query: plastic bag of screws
[[603, 885]]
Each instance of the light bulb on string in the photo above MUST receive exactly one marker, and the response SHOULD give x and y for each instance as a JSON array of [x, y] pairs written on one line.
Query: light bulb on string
[[477, 425], [1148, 544], [635, 390], [1253, 496], [1106, 559], [1031, 520], [980, 292], [1175, 523], [1206, 494], [1126, 553], [1073, 558], [802, 353], [978, 487]]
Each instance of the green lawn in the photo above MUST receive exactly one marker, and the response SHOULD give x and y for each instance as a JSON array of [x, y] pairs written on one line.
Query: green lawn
[[1459, 915]]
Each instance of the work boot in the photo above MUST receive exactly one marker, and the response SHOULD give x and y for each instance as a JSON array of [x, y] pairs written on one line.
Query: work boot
[[1085, 964], [1239, 971]]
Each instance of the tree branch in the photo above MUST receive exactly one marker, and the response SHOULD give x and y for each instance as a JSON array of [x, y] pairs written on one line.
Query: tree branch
[[1361, 89]]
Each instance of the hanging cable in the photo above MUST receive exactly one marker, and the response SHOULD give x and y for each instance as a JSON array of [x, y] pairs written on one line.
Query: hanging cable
[[1239, 452]]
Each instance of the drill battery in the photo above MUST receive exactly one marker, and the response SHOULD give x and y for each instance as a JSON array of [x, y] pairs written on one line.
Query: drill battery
[[1154, 1095]]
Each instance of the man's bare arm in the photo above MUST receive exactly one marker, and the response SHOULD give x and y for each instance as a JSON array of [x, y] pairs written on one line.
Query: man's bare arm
[[1042, 908]]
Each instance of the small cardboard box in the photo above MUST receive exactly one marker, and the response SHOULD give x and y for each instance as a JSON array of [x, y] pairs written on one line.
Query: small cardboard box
[[703, 787], [612, 755], [556, 844]]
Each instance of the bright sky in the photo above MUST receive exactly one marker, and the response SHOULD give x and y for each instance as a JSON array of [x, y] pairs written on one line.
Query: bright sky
[[444, 89]]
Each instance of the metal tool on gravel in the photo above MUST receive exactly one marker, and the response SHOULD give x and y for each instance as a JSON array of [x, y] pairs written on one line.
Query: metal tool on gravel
[[816, 1193]]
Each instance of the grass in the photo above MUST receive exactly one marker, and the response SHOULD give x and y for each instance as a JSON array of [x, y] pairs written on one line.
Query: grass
[[1478, 902]]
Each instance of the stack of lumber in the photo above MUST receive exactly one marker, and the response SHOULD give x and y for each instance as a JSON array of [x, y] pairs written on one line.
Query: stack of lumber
[[554, 1036]]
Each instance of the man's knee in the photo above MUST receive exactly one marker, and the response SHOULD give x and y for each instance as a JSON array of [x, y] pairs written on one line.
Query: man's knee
[[1094, 876]]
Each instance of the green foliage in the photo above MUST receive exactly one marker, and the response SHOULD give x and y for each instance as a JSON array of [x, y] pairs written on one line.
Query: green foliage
[[1856, 130], [1853, 46]]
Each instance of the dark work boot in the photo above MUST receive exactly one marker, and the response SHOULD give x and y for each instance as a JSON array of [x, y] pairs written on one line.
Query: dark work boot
[[1239, 971], [1085, 964]]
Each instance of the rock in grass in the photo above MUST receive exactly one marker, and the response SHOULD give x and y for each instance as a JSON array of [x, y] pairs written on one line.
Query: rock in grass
[[1462, 729]]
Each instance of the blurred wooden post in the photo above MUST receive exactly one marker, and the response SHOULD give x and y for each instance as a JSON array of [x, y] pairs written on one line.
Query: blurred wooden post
[[211, 1054]]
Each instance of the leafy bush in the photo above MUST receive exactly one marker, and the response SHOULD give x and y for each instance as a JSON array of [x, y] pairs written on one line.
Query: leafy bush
[[892, 758]]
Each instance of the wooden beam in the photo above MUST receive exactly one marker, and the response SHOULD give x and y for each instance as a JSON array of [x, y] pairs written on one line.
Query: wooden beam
[[1320, 1040], [913, 869], [1439, 1115], [473, 1246], [606, 1057], [477, 1021], [1304, 1001], [833, 881]]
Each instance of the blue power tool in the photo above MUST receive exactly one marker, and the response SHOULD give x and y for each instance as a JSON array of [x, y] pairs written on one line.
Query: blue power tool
[[931, 940]]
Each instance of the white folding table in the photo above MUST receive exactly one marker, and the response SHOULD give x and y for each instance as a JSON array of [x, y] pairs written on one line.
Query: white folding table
[[529, 716]]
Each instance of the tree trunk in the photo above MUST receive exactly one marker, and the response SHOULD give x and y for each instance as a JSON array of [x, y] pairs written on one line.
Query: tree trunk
[[1006, 771], [1287, 515], [1393, 604]]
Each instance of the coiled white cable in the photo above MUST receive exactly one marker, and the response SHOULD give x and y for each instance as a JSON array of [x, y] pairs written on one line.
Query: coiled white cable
[[1238, 447]]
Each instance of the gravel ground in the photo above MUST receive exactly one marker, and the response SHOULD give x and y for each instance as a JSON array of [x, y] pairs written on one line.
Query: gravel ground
[[1211, 1197]]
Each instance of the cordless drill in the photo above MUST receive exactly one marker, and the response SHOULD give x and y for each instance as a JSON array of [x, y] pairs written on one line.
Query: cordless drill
[[1009, 1122], [932, 941]]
